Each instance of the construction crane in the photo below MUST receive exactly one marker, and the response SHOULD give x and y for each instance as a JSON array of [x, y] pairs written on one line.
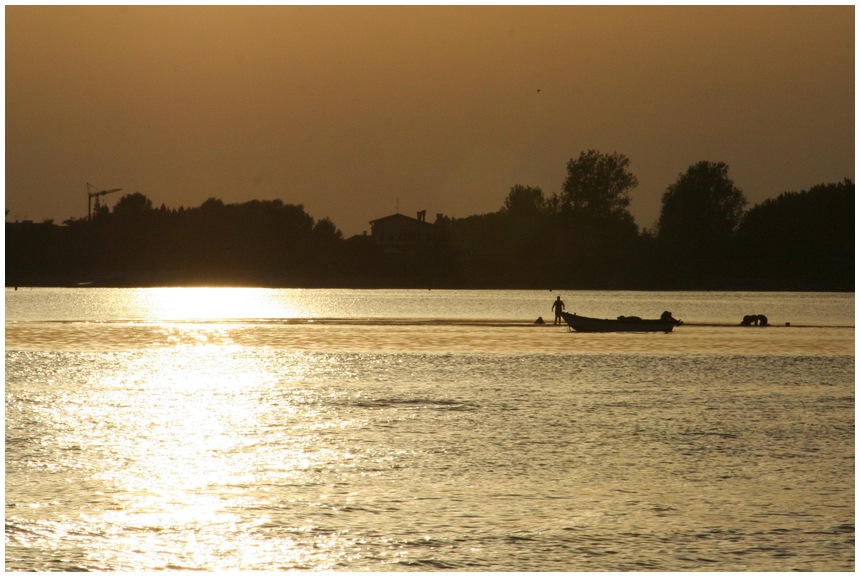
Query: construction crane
[[98, 194]]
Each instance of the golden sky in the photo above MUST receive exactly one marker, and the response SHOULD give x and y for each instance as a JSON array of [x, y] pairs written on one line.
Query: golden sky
[[355, 111]]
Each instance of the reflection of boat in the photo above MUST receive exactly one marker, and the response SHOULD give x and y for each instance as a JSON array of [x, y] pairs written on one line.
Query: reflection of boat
[[621, 324]]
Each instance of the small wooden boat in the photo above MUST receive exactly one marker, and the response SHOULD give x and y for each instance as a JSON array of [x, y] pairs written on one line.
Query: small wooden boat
[[621, 324]]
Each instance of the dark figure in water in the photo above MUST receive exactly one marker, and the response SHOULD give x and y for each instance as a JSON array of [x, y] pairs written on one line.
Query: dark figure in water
[[749, 320], [667, 317], [754, 320], [557, 307]]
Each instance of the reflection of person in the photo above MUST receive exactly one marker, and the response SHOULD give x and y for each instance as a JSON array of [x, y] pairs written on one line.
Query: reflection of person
[[558, 306]]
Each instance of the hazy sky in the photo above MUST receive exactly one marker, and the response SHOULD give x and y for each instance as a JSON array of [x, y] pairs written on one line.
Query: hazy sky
[[356, 111]]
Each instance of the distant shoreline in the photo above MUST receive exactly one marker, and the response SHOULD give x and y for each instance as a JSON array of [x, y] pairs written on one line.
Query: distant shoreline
[[381, 286]]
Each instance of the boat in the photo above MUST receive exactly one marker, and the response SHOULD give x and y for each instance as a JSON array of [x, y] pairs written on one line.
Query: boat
[[621, 324]]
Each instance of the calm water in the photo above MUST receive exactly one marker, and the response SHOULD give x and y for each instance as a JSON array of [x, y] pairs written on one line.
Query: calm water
[[425, 431]]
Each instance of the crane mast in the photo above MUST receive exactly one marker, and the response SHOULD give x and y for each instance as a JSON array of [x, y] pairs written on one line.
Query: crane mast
[[91, 194]]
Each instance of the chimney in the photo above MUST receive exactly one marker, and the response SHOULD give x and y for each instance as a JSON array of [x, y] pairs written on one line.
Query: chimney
[[421, 215]]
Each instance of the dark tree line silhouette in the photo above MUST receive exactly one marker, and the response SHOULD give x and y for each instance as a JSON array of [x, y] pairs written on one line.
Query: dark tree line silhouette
[[582, 237]]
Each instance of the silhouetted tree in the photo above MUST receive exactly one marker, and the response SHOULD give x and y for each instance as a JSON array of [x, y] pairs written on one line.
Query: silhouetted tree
[[800, 240], [525, 202], [598, 184], [212, 205], [132, 205], [325, 231], [702, 209], [595, 233], [699, 216]]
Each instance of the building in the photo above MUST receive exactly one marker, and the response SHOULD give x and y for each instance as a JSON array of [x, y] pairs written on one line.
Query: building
[[398, 233]]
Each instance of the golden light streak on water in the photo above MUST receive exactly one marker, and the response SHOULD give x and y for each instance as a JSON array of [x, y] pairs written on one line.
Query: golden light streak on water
[[189, 436], [215, 303]]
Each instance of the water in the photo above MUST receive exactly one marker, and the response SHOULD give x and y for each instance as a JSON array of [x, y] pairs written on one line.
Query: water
[[400, 430]]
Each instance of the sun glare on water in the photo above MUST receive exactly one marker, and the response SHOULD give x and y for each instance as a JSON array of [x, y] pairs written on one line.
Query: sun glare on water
[[186, 452], [211, 303], [186, 436]]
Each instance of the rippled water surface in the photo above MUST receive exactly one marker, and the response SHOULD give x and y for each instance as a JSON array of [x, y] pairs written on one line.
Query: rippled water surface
[[426, 430]]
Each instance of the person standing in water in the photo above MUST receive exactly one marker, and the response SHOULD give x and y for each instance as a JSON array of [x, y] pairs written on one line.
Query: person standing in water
[[558, 306]]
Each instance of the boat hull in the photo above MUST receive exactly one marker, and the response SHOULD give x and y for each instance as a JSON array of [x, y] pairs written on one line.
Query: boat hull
[[590, 325]]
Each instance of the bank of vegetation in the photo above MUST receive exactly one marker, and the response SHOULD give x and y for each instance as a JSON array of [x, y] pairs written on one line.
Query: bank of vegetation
[[582, 237]]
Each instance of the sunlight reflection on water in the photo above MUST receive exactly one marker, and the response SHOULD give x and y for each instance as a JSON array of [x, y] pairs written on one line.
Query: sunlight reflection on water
[[184, 449], [214, 303], [154, 441]]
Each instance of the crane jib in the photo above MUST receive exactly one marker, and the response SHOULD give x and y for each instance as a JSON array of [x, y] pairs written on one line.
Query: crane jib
[[96, 194]]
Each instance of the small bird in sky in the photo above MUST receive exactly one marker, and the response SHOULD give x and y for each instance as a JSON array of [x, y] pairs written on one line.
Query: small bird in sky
[[538, 90]]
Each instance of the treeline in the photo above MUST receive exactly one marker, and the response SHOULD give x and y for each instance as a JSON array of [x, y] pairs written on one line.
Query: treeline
[[582, 237], [706, 237], [265, 243]]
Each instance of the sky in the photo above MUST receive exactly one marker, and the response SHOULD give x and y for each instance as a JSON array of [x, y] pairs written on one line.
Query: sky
[[358, 112]]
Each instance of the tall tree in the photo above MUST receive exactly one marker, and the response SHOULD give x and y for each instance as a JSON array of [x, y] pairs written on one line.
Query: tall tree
[[596, 234], [700, 213], [598, 184]]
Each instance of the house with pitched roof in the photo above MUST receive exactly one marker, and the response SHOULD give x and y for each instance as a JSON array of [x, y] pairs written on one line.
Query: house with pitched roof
[[398, 233]]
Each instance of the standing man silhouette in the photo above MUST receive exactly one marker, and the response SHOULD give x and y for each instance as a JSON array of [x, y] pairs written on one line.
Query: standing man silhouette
[[558, 306]]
